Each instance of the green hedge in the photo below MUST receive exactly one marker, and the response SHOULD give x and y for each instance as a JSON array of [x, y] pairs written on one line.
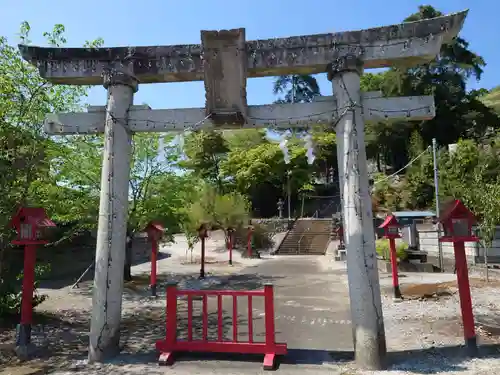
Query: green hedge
[[383, 249]]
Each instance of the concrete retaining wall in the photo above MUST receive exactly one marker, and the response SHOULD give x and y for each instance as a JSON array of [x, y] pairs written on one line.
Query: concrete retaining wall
[[428, 241]]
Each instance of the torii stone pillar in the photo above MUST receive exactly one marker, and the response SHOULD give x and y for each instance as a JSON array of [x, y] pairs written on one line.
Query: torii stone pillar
[[113, 211], [362, 271]]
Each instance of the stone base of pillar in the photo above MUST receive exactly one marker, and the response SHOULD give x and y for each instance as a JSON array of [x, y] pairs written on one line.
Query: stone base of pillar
[[153, 290], [23, 334], [471, 345], [397, 293], [24, 348]]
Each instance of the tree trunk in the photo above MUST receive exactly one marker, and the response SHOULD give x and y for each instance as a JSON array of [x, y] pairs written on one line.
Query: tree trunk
[[127, 268]]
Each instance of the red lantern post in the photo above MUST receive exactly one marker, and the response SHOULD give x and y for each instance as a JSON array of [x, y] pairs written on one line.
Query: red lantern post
[[155, 231], [203, 234], [249, 241], [29, 223], [457, 221], [230, 232], [391, 232]]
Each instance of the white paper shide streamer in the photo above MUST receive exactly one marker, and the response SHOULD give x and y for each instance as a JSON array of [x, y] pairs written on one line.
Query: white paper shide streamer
[[284, 149], [310, 149]]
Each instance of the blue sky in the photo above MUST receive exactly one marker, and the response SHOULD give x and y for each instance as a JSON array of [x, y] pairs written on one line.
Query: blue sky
[[127, 22]]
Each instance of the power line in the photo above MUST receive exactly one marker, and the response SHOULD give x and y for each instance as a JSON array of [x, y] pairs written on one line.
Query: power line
[[406, 166]]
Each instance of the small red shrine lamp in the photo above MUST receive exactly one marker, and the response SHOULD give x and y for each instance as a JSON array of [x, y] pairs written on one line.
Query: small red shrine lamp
[[391, 229], [155, 232], [457, 221], [31, 224], [249, 240], [202, 234], [230, 233]]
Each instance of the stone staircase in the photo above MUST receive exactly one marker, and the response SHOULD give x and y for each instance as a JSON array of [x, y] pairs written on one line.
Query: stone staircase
[[307, 237]]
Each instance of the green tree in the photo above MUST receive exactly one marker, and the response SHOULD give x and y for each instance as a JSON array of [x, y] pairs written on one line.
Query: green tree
[[418, 181], [218, 211], [205, 151], [460, 113], [156, 192], [245, 139], [471, 174], [491, 99], [296, 88], [25, 100], [260, 173]]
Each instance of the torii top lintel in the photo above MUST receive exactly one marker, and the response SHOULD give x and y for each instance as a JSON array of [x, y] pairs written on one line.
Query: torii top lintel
[[407, 44]]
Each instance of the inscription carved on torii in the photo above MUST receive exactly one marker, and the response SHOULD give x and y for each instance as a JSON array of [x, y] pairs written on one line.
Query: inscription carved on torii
[[224, 60], [225, 76]]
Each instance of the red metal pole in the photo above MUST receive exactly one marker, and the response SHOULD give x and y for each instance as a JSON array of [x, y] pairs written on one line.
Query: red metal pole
[[171, 324], [465, 297], [394, 268], [230, 248], [269, 359], [154, 253], [269, 314], [249, 243], [168, 346], [24, 332], [202, 269]]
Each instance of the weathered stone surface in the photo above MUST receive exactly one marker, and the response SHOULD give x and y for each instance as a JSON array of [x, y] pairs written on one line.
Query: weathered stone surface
[[113, 77], [347, 63], [277, 116], [407, 43], [225, 75]]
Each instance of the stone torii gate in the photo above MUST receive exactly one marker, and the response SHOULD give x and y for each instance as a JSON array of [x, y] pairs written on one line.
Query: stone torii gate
[[224, 60]]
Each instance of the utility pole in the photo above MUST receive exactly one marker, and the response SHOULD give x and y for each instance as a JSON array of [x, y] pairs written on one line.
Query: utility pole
[[289, 172], [436, 191], [288, 192]]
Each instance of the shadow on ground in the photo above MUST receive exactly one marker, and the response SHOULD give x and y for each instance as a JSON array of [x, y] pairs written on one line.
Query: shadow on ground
[[438, 360], [58, 339], [424, 361], [88, 274], [138, 289]]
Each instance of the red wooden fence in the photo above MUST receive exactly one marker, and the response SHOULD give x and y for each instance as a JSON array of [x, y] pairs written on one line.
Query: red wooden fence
[[172, 344]]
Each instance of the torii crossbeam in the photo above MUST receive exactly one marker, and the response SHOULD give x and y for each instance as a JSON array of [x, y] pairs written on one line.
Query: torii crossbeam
[[224, 60], [141, 118]]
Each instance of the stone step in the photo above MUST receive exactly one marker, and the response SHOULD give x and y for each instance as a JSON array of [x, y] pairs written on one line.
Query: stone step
[[306, 237]]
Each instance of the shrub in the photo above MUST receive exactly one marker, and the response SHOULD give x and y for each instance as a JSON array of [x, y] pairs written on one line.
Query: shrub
[[383, 249], [10, 295], [261, 239]]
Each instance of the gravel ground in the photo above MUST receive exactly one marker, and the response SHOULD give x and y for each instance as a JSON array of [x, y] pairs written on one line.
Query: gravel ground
[[427, 327]]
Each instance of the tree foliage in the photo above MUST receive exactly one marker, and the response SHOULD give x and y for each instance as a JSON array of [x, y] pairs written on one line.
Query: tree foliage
[[25, 153]]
